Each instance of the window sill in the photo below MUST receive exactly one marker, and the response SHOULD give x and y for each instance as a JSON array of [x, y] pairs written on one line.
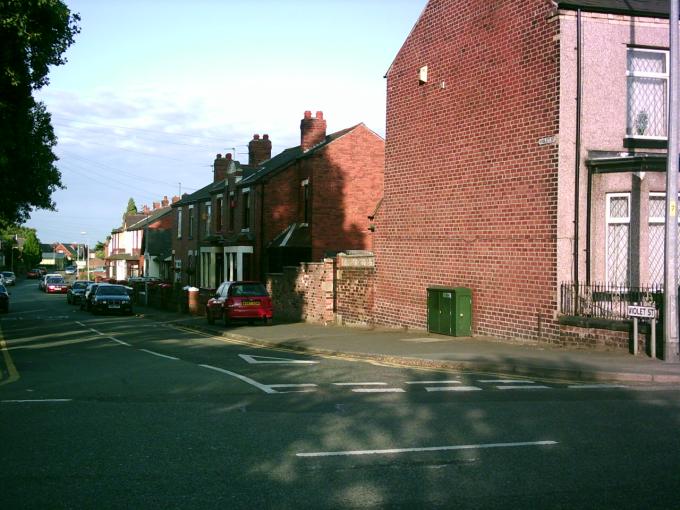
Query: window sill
[[645, 142]]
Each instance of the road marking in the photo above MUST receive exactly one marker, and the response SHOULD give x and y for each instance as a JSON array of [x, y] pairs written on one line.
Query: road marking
[[452, 388], [596, 386], [378, 390], [505, 381], [516, 387], [433, 382], [243, 378], [12, 372], [274, 361], [306, 388], [426, 449], [37, 400], [157, 354], [120, 342], [81, 324], [359, 384]]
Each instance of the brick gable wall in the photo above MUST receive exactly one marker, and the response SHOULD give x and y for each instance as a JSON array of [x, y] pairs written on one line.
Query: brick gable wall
[[470, 195]]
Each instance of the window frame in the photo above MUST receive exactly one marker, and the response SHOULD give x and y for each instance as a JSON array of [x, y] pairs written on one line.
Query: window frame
[[245, 216], [644, 74], [611, 220]]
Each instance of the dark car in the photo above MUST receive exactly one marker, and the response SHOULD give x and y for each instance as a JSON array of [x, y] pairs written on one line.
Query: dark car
[[240, 300], [4, 299], [33, 274], [88, 296], [76, 292], [111, 298], [55, 285]]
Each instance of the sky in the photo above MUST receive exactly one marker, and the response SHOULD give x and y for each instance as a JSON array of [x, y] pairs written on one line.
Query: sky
[[154, 89]]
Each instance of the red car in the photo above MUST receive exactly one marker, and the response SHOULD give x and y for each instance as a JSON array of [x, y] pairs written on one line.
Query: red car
[[240, 300], [33, 274], [55, 285]]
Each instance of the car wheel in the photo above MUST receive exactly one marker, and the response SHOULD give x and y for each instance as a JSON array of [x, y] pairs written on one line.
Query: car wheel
[[208, 315]]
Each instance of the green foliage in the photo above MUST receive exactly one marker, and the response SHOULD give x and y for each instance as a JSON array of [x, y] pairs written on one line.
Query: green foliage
[[34, 34], [131, 207], [22, 244], [99, 249]]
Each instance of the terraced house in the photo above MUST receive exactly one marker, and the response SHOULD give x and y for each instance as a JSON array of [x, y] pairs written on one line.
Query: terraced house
[[308, 201], [526, 147]]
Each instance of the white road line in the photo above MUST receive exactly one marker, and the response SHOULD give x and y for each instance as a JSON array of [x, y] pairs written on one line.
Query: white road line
[[505, 381], [159, 355], [291, 385], [433, 382], [596, 386], [37, 400], [516, 387], [378, 390], [426, 449], [359, 384], [269, 360], [452, 388], [243, 378], [120, 341], [81, 324]]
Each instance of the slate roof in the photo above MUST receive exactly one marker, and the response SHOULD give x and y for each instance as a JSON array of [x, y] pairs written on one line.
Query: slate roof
[[153, 216], [289, 156], [653, 8]]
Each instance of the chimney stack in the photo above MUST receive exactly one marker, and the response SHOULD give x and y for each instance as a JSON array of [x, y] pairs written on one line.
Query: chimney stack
[[175, 199], [221, 167], [312, 130], [145, 209], [165, 202], [156, 205], [259, 150]]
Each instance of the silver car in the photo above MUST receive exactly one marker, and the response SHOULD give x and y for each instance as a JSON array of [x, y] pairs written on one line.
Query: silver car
[[9, 277]]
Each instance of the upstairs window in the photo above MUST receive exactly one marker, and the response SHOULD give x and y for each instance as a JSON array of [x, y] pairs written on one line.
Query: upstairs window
[[647, 93], [232, 210], [304, 190], [246, 209], [179, 226], [191, 222], [218, 213], [207, 208]]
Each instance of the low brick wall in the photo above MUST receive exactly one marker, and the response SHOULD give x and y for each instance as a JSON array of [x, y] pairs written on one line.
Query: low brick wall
[[304, 293], [602, 334], [354, 289]]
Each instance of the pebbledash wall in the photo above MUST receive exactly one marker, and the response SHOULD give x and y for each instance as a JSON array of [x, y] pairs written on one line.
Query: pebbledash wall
[[471, 193]]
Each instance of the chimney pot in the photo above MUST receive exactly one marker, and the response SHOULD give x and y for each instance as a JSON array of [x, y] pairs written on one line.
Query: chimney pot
[[156, 205], [308, 114], [175, 199], [165, 201], [265, 137], [219, 156], [256, 136], [319, 115]]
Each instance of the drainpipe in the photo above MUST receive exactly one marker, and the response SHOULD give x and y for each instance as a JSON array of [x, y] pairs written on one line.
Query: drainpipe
[[577, 169], [261, 250]]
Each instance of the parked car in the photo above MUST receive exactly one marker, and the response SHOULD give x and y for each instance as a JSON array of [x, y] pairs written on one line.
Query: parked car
[[55, 285], [33, 274], [76, 292], [4, 299], [10, 277], [70, 270], [42, 284], [240, 300], [88, 296], [111, 298]]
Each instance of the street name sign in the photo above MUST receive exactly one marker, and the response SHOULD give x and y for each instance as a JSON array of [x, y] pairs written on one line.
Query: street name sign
[[642, 312]]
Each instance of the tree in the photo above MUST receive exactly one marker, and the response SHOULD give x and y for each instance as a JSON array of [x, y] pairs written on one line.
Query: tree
[[100, 247], [21, 244], [34, 34], [131, 207]]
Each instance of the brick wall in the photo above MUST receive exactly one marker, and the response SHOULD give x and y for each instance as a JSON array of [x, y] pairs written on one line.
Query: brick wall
[[303, 293], [354, 289], [470, 196]]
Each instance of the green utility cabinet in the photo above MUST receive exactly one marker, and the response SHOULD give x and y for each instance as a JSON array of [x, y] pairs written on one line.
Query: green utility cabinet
[[449, 311]]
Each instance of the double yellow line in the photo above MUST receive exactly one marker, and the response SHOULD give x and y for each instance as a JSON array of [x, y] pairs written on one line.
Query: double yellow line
[[12, 373]]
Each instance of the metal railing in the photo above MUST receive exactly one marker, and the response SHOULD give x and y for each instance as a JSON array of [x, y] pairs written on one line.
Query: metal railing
[[606, 301]]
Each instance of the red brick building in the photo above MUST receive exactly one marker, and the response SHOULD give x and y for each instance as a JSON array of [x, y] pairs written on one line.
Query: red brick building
[[525, 147], [307, 201]]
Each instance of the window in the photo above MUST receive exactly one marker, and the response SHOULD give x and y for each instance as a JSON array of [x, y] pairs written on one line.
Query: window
[[218, 213], [179, 224], [207, 216], [657, 238], [232, 210], [647, 93], [305, 201], [246, 209], [191, 222], [618, 234]]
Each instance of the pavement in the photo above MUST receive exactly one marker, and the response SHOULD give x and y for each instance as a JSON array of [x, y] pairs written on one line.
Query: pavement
[[422, 349]]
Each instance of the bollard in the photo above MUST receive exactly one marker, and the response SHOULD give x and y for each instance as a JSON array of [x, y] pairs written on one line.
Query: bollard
[[193, 301]]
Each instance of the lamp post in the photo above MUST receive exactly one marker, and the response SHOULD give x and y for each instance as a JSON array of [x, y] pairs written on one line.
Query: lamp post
[[86, 252]]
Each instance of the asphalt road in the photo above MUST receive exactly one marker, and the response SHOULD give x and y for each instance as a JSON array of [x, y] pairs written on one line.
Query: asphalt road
[[125, 412]]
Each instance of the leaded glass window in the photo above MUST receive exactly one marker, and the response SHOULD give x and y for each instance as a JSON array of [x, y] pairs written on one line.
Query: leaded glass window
[[647, 93]]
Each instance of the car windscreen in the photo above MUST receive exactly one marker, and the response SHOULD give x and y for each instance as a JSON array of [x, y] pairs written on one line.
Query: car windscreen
[[110, 290], [247, 289], [55, 280], [79, 285]]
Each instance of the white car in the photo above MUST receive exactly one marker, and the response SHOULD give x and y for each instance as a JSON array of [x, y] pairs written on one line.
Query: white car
[[9, 277]]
